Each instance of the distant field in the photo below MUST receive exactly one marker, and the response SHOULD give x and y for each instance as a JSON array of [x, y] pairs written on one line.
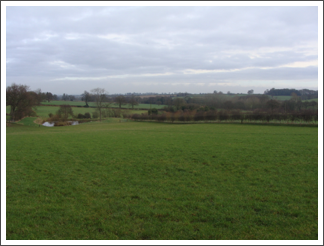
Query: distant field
[[44, 111], [72, 103], [82, 103], [211, 94], [310, 100], [137, 180], [281, 98]]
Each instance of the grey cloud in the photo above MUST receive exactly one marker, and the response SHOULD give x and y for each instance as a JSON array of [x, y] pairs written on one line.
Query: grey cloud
[[58, 42]]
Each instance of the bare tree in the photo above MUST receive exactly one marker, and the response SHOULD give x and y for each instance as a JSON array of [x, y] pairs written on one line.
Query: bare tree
[[106, 111], [132, 101], [20, 100], [49, 96], [39, 96], [100, 99], [86, 97], [65, 97], [120, 100], [252, 102], [71, 98], [228, 105], [294, 97], [272, 104], [64, 111], [178, 102]]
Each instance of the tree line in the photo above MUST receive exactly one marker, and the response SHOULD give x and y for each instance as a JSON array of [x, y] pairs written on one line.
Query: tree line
[[248, 102], [304, 93], [22, 102], [215, 100], [258, 115]]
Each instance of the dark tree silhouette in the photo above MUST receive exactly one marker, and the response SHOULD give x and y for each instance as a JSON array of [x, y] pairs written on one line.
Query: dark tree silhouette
[[20, 100]]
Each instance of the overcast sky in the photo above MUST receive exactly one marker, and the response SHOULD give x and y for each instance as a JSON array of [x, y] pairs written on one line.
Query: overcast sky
[[162, 49]]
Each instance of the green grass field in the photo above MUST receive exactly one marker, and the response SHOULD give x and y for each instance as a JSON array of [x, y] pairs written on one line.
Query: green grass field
[[93, 104], [137, 180], [281, 98]]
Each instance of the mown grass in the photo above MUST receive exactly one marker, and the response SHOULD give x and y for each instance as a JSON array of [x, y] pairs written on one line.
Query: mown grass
[[28, 121], [113, 105], [137, 180]]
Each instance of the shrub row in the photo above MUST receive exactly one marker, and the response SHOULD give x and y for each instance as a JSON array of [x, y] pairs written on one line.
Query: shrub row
[[84, 116], [236, 115]]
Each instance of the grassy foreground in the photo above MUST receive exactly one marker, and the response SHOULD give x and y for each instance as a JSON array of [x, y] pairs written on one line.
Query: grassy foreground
[[135, 180]]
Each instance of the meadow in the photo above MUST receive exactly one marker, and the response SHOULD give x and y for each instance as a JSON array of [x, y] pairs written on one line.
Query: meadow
[[142, 180]]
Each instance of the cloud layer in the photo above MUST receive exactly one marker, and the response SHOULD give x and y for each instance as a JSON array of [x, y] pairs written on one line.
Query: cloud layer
[[162, 49]]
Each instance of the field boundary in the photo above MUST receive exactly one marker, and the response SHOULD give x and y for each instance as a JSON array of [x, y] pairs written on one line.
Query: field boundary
[[236, 123]]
